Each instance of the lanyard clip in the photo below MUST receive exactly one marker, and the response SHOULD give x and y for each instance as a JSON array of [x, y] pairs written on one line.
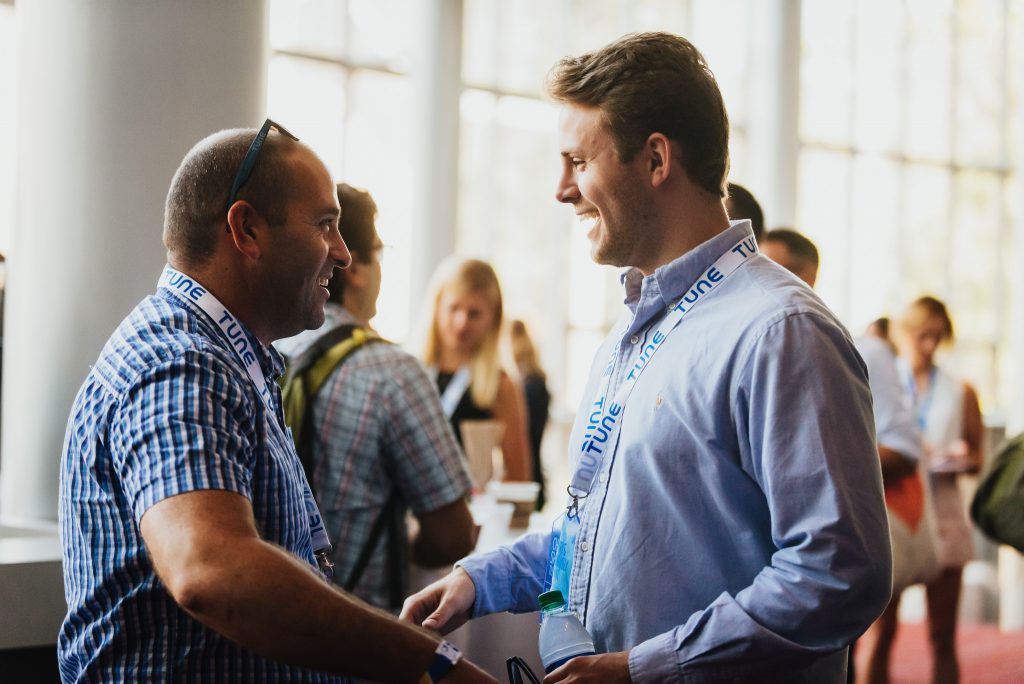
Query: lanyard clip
[[572, 511]]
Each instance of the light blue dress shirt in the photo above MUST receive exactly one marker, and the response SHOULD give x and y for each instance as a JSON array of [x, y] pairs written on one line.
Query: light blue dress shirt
[[738, 530]]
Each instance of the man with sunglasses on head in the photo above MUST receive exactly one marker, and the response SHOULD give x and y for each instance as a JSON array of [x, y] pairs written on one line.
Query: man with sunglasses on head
[[193, 549]]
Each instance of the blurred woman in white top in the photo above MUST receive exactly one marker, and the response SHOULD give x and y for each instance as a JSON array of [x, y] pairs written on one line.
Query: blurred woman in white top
[[949, 416]]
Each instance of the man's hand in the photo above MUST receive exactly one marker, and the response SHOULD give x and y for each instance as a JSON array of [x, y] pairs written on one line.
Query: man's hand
[[607, 668], [444, 605]]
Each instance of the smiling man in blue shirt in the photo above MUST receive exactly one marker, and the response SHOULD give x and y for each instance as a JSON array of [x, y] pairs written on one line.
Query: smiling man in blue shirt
[[731, 521]]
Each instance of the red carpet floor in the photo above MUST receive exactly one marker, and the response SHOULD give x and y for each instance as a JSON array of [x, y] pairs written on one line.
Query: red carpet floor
[[987, 656]]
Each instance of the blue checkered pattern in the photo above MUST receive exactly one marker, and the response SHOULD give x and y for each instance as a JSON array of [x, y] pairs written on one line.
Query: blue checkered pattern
[[168, 408], [379, 425]]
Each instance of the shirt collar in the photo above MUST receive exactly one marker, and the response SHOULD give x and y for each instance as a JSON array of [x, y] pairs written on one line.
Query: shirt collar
[[336, 314], [271, 361], [670, 281]]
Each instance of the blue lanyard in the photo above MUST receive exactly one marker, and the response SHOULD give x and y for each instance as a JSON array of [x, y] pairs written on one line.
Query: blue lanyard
[[604, 423], [188, 289], [453, 392], [925, 404]]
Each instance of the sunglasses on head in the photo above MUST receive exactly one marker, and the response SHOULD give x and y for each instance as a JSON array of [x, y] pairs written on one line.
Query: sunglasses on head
[[249, 161]]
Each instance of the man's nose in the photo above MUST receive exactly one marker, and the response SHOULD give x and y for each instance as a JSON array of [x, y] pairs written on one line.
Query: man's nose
[[567, 191], [339, 250]]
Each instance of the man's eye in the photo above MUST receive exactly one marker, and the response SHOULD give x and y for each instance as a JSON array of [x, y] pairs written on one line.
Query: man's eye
[[578, 163]]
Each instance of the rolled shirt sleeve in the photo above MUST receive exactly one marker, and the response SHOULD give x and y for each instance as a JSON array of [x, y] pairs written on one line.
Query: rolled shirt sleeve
[[509, 578]]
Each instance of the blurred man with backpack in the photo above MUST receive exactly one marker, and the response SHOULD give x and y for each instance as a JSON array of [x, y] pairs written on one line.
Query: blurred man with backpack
[[371, 432]]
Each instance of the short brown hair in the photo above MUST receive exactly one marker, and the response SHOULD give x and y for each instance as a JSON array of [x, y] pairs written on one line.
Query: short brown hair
[[196, 207], [927, 307], [358, 230], [742, 204], [646, 83], [799, 246]]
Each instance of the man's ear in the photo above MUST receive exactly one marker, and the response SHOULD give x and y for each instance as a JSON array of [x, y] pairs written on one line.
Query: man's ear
[[244, 226], [658, 153]]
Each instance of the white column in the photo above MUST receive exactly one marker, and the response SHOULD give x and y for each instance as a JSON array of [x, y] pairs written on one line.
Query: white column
[[774, 123], [112, 94], [437, 75]]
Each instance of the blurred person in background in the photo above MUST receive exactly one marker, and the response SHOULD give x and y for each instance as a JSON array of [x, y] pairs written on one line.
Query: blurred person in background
[[880, 328], [740, 203], [793, 251], [949, 417], [538, 399], [379, 444], [907, 498], [459, 344]]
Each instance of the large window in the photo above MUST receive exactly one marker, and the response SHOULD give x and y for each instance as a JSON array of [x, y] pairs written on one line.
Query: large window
[[340, 77], [906, 165], [905, 161], [337, 78]]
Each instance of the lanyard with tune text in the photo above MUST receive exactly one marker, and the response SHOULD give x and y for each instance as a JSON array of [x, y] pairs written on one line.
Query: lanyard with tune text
[[188, 289], [604, 422], [605, 418]]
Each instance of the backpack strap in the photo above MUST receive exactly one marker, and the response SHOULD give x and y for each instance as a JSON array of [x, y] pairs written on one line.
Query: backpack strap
[[385, 520], [307, 375]]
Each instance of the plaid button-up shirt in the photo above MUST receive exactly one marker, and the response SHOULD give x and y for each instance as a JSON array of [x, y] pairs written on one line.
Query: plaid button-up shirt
[[168, 408], [379, 426]]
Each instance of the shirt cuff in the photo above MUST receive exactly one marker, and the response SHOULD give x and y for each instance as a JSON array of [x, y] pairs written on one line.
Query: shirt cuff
[[489, 573], [654, 661]]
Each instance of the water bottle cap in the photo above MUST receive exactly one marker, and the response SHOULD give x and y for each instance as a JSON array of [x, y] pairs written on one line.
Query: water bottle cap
[[551, 599]]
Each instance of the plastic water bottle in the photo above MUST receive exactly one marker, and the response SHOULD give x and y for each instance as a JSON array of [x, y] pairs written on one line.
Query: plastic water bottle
[[562, 635]]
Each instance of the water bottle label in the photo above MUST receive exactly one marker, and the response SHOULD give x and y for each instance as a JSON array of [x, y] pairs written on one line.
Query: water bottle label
[[558, 663], [556, 530], [563, 545]]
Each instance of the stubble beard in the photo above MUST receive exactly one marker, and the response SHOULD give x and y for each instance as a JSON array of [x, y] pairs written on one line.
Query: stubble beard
[[621, 245]]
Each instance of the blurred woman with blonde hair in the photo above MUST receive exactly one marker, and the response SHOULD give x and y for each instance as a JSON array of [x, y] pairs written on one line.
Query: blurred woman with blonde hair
[[950, 420], [459, 343]]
